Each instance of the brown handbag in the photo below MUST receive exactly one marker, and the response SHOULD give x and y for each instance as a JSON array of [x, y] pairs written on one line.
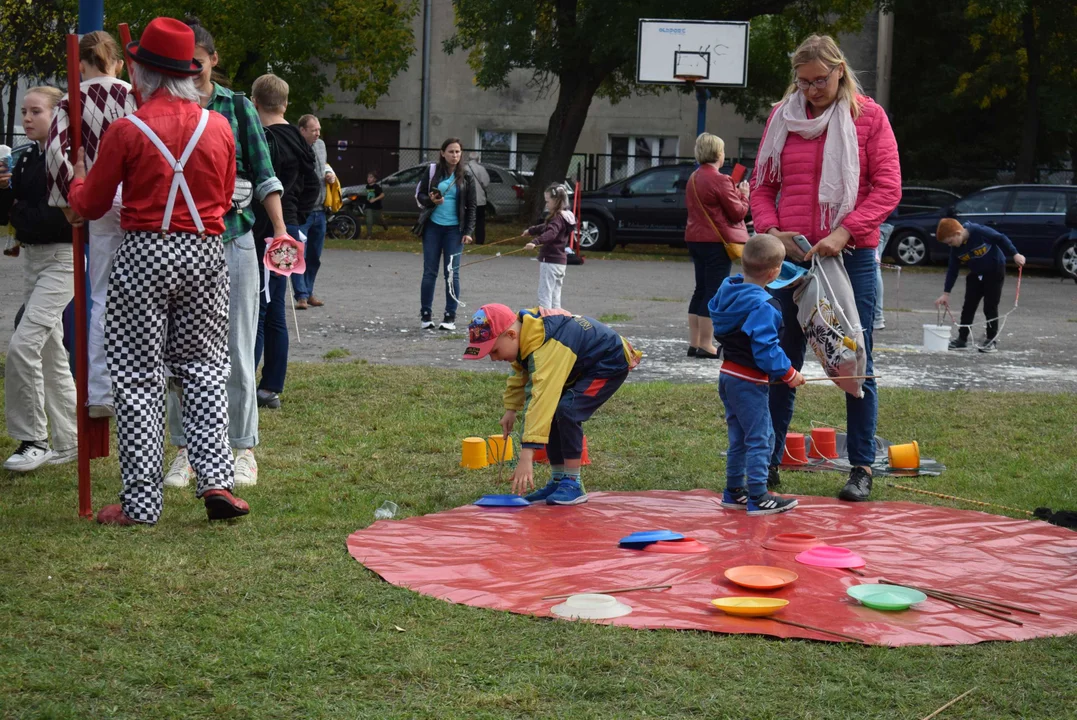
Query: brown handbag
[[733, 250]]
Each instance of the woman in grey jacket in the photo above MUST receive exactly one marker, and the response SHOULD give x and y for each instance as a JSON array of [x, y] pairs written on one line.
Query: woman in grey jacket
[[447, 194]]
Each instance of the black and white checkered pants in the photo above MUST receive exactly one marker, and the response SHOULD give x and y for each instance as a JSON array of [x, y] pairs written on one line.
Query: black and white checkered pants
[[168, 309]]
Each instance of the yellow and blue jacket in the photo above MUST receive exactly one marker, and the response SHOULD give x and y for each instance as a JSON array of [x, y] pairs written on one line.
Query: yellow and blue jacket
[[556, 350]]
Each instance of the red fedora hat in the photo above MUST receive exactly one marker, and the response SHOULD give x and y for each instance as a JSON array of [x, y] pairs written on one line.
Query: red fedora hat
[[166, 45]]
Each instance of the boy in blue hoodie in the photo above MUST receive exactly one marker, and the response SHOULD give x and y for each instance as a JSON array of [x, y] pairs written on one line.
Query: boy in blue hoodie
[[747, 324]]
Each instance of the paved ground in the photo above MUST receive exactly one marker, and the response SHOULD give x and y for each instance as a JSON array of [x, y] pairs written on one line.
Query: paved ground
[[373, 303]]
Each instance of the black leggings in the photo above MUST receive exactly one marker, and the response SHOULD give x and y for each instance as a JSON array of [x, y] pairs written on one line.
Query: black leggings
[[986, 287]]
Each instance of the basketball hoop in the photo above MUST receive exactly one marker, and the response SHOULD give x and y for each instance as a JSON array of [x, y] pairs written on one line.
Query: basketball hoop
[[689, 78]]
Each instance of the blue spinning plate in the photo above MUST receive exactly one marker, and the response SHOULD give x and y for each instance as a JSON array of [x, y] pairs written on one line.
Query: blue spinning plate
[[501, 501]]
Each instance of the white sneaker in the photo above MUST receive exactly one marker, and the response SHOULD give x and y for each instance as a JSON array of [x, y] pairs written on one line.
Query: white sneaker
[[246, 468], [448, 322], [181, 473], [62, 457], [29, 456]]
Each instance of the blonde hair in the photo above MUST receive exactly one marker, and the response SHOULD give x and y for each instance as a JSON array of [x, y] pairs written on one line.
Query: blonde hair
[[53, 95], [560, 195], [709, 148], [100, 50], [270, 92], [825, 50], [762, 253]]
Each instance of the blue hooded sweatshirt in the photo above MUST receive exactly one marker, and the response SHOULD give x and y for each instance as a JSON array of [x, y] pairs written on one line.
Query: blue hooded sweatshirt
[[748, 322]]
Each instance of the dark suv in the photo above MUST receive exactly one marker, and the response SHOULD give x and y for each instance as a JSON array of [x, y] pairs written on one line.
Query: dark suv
[[647, 207], [1032, 216]]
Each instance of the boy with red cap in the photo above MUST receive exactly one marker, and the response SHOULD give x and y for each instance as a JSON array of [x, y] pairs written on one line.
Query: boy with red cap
[[984, 251], [168, 291], [564, 367]]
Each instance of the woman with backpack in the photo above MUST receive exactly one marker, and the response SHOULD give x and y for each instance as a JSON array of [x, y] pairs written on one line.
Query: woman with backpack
[[447, 195]]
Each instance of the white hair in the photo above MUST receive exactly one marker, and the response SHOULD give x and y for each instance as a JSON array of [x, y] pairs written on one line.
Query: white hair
[[150, 81]]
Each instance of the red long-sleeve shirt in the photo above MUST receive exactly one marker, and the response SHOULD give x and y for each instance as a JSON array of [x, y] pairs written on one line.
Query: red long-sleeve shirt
[[126, 155]]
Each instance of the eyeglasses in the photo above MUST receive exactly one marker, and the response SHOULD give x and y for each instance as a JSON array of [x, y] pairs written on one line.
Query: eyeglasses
[[820, 83]]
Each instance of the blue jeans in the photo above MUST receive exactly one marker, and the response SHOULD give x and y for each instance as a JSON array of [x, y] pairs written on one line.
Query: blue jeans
[[751, 434], [273, 327], [441, 243], [314, 229], [861, 414]]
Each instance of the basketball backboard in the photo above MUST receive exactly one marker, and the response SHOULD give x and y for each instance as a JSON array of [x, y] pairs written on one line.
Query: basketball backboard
[[711, 53]]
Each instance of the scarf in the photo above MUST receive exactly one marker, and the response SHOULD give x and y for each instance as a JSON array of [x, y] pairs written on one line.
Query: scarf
[[840, 177]]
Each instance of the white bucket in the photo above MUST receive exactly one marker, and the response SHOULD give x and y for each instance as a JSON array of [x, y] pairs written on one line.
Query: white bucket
[[936, 338]]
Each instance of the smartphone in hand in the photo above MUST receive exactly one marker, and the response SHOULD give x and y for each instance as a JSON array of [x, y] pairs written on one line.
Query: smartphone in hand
[[802, 242]]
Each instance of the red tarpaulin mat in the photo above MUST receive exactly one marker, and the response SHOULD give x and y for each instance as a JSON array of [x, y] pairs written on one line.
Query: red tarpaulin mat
[[508, 559]]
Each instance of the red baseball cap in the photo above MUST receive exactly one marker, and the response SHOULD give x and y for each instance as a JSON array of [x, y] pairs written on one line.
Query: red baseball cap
[[485, 328]]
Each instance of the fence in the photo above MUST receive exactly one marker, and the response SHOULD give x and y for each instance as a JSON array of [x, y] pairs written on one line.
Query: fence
[[353, 162]]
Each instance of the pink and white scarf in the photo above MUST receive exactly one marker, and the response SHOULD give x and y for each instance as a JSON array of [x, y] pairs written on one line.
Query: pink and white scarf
[[840, 176]]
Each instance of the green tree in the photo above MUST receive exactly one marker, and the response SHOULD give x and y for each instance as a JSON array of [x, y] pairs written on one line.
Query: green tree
[[33, 32], [588, 48], [1024, 50], [359, 45]]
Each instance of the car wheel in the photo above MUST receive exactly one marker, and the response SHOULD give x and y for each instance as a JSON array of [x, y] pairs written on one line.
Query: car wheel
[[593, 234], [1067, 258], [908, 248], [342, 227]]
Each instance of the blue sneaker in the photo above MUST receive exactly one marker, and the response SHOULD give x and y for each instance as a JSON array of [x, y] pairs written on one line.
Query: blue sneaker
[[735, 499], [543, 492], [569, 492], [768, 504]]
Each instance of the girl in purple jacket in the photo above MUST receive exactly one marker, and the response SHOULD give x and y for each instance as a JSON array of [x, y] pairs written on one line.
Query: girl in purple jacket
[[552, 238]]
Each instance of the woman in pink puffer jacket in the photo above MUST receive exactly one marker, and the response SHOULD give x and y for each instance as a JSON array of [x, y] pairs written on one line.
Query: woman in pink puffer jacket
[[830, 154]]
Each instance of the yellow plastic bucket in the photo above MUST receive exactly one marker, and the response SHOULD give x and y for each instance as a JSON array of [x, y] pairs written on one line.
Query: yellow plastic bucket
[[905, 457], [499, 449], [473, 455]]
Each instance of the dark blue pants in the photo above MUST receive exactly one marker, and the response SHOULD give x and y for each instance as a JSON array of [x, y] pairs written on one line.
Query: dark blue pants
[[441, 244], [751, 434], [861, 414], [272, 335], [314, 229], [712, 265], [578, 403]]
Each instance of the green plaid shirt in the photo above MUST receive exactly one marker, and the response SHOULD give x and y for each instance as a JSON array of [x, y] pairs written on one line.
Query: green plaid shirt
[[258, 168]]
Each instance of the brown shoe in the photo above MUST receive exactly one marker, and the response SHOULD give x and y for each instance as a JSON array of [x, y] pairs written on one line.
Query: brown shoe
[[301, 304], [113, 515], [314, 302], [222, 505]]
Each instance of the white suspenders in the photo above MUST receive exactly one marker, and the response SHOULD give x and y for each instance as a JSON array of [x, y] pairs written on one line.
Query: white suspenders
[[179, 182]]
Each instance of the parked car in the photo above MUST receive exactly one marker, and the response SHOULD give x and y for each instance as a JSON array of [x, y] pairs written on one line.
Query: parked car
[[1032, 216], [646, 207], [909, 245], [504, 195]]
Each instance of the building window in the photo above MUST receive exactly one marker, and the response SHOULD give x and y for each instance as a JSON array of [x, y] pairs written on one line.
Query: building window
[[513, 150], [749, 148], [629, 154]]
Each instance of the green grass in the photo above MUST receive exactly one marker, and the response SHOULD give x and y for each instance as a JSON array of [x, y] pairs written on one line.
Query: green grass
[[337, 354], [614, 318], [269, 617]]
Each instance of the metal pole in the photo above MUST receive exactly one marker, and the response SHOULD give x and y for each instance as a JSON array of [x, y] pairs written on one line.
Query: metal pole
[[91, 16], [884, 59], [702, 95], [424, 106]]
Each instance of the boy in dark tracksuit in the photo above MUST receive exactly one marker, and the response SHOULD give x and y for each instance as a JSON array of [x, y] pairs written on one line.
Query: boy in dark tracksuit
[[747, 323], [984, 251], [565, 367]]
